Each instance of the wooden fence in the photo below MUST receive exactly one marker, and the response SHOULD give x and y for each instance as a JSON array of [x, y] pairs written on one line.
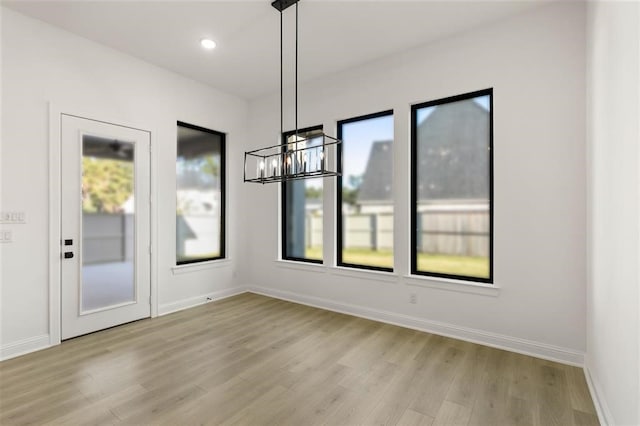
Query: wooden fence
[[110, 237], [107, 237], [454, 230]]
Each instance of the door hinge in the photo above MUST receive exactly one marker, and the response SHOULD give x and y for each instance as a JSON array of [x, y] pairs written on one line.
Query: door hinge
[[150, 251]]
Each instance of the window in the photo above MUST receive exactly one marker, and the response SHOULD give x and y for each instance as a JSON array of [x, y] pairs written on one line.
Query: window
[[452, 187], [302, 207], [365, 192], [200, 171]]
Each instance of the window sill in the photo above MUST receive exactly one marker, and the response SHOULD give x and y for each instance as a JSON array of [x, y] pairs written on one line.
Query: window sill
[[200, 266], [448, 284], [301, 266], [368, 274]]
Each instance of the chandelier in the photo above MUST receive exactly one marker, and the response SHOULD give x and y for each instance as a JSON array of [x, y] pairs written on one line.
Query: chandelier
[[297, 157]]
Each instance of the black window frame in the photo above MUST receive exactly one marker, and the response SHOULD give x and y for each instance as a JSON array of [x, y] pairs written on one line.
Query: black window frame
[[283, 203], [223, 192], [414, 186], [339, 224]]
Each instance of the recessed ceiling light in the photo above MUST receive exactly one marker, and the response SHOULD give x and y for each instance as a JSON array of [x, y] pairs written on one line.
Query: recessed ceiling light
[[207, 43]]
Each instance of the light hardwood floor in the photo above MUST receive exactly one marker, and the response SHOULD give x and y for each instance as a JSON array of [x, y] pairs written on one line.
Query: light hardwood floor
[[253, 360]]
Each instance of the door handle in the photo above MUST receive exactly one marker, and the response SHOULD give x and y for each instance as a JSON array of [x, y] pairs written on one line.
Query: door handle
[[68, 254]]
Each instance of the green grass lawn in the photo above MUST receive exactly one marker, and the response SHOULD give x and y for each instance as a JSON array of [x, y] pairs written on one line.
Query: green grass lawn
[[381, 258], [443, 264], [469, 266], [199, 257]]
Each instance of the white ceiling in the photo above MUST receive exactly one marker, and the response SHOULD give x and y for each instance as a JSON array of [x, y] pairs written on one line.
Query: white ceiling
[[334, 35]]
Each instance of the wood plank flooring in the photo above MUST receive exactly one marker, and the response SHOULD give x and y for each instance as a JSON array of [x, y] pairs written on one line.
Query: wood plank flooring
[[254, 360]]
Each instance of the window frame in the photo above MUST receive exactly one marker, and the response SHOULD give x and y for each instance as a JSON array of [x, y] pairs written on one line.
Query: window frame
[[223, 194], [339, 222], [283, 203], [414, 186]]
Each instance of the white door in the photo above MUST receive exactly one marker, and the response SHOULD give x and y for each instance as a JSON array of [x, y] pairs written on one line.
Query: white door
[[105, 225]]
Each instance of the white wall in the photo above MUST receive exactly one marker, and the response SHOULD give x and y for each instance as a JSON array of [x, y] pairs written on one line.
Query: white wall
[[42, 64], [613, 328], [536, 65]]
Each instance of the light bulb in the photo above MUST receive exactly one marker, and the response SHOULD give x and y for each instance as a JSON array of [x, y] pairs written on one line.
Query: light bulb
[[208, 44]]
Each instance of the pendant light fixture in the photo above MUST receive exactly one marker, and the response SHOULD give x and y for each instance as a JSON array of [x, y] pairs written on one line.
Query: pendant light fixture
[[298, 157]]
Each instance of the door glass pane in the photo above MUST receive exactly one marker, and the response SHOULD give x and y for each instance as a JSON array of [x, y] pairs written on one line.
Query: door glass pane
[[108, 223]]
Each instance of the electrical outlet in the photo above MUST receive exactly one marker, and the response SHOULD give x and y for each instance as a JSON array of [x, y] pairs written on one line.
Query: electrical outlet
[[413, 298]]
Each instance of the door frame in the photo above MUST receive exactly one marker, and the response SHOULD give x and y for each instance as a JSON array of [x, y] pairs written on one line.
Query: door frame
[[55, 185]]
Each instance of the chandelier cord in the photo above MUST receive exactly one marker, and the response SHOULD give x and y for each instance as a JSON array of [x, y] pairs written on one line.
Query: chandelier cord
[[296, 71], [281, 82]]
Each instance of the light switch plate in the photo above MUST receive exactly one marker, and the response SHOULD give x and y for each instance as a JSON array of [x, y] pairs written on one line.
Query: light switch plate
[[6, 236], [13, 217]]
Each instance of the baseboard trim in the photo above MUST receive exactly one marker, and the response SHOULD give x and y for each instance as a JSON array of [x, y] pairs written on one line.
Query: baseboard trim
[[36, 343], [180, 305], [513, 344], [23, 347], [602, 408], [526, 347]]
